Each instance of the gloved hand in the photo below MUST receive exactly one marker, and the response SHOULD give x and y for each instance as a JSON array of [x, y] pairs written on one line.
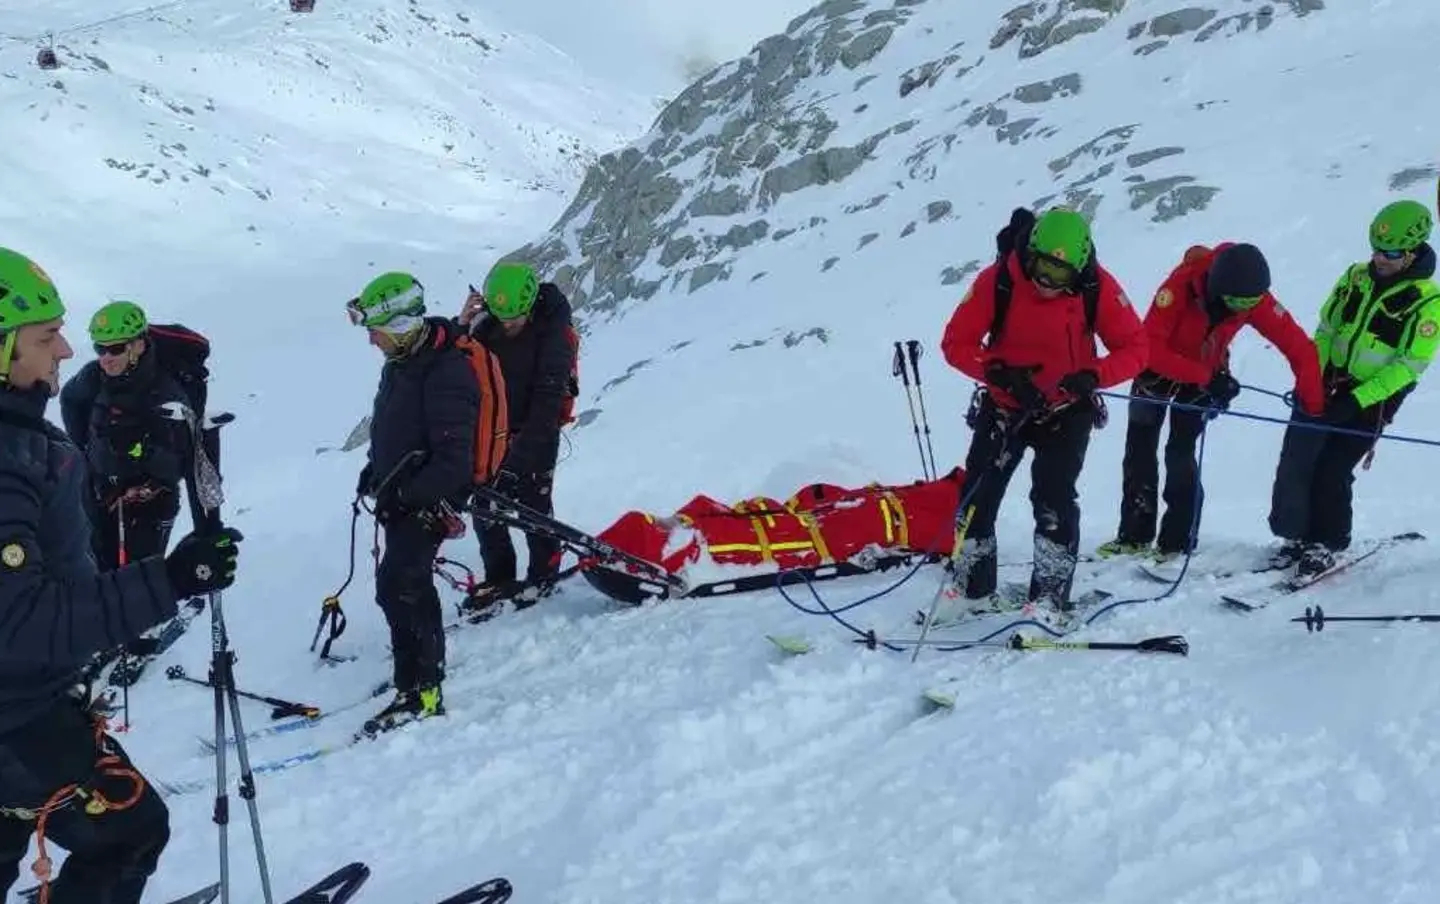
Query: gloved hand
[[203, 563], [506, 482], [1081, 384], [1343, 408], [1222, 389], [367, 474], [1016, 382]]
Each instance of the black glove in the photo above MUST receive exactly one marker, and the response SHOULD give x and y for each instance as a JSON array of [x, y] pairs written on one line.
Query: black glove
[[367, 474], [1081, 384], [203, 563], [1016, 382], [1222, 389], [505, 483], [1343, 408]]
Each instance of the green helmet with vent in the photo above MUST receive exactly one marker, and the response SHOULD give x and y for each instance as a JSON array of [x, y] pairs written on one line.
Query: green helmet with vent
[[1400, 226], [511, 289], [26, 293], [388, 296], [1063, 235], [118, 321]]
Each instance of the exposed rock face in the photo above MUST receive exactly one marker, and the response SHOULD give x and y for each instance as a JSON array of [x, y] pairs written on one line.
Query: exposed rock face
[[748, 153]]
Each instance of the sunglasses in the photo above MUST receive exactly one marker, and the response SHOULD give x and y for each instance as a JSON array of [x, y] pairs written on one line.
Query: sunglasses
[[1241, 302], [113, 349], [1052, 273], [1391, 255]]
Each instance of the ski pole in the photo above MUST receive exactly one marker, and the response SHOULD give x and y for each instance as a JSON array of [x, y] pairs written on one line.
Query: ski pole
[[914, 348], [1315, 619], [123, 558], [897, 368], [1170, 643], [283, 708]]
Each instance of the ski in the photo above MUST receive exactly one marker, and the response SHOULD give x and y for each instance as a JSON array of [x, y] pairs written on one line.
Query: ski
[[336, 888], [491, 891], [129, 668], [1296, 583], [1156, 572], [298, 723]]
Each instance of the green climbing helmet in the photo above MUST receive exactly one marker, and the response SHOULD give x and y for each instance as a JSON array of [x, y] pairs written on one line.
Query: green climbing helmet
[[118, 321], [1063, 234], [510, 290], [388, 296], [26, 293], [1400, 226]]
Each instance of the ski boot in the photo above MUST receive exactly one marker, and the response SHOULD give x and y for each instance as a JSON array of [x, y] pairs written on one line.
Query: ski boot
[[1288, 555], [1315, 561], [1118, 547], [408, 706]]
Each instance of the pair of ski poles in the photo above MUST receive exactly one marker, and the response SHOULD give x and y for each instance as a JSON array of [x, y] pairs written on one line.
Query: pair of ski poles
[[906, 363]]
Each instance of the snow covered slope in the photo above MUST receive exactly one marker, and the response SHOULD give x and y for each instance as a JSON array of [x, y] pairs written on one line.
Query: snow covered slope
[[745, 268]]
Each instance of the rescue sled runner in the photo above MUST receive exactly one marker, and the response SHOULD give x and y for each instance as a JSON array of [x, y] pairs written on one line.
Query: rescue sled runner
[[708, 548]]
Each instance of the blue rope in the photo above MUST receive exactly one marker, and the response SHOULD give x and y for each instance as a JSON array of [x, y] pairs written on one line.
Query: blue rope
[[1210, 413]]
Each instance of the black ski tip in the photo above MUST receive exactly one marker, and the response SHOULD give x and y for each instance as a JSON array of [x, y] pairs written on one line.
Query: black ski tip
[[336, 888], [1236, 604], [492, 891]]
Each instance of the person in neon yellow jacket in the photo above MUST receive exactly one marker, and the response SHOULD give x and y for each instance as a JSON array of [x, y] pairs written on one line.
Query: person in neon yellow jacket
[[1379, 330]]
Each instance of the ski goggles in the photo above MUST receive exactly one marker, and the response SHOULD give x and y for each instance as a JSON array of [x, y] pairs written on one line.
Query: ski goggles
[[1241, 302], [1390, 255], [411, 301], [1052, 272]]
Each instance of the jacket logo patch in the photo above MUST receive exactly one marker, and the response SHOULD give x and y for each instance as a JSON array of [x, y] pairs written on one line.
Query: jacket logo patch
[[1164, 298], [13, 555], [1427, 328]]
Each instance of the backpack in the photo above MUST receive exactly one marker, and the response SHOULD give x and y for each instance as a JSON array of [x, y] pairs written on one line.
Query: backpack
[[492, 427], [572, 385], [181, 352], [1014, 237]]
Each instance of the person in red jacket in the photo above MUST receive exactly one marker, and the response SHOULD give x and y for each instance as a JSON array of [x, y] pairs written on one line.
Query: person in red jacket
[[1040, 369], [1196, 313]]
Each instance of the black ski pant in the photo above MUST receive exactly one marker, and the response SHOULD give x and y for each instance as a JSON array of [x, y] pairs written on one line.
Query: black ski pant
[[1140, 473], [111, 854], [147, 533], [1312, 498], [497, 550], [1059, 443], [147, 529], [405, 590]]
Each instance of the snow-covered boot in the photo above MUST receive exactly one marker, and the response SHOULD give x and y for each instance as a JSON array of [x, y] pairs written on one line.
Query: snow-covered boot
[[1288, 555], [1315, 561]]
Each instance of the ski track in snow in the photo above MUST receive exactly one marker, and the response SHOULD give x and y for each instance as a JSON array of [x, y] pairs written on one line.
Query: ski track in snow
[[669, 753]]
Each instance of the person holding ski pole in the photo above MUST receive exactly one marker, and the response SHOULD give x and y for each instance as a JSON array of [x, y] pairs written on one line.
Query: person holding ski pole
[[1026, 331], [63, 778], [526, 325], [1195, 315], [137, 457], [426, 431], [1379, 330]]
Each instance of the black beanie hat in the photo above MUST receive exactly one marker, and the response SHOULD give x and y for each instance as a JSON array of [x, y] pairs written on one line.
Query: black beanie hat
[[1238, 270]]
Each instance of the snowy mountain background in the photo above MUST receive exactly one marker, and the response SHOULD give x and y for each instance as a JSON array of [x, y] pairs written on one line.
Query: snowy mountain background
[[743, 266]]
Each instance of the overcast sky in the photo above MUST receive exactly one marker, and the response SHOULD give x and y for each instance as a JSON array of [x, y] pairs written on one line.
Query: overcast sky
[[641, 43]]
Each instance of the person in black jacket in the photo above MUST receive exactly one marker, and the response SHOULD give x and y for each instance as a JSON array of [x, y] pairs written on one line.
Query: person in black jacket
[[137, 458], [525, 323], [56, 610], [419, 470]]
